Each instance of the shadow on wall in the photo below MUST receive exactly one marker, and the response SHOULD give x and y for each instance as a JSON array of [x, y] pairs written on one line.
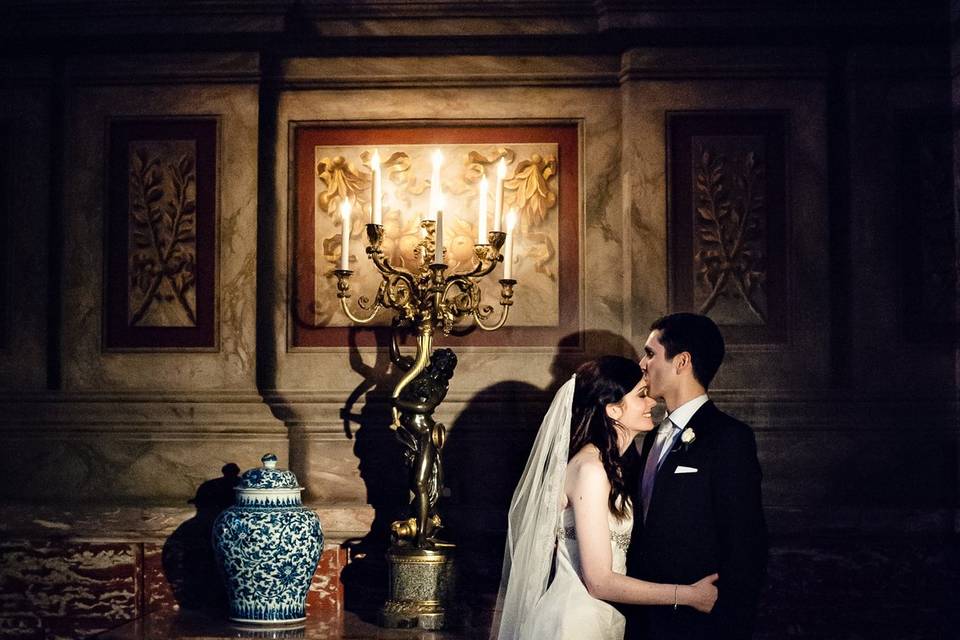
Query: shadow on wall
[[188, 561], [380, 463], [482, 463]]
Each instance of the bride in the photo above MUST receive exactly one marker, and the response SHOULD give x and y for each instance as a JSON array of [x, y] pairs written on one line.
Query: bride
[[571, 510]]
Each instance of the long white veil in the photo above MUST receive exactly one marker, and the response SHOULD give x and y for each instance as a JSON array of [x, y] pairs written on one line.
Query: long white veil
[[533, 518]]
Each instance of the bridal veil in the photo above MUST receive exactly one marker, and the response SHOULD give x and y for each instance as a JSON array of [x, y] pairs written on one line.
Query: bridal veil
[[533, 518]]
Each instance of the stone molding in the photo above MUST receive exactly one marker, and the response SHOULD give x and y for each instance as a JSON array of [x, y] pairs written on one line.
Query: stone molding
[[449, 71], [341, 522], [708, 63], [154, 523], [423, 18], [160, 69], [317, 415]]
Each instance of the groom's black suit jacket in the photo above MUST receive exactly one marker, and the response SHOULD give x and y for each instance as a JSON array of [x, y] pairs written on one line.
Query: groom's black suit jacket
[[710, 521]]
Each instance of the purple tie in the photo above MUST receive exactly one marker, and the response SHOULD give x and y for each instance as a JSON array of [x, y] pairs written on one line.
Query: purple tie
[[665, 436]]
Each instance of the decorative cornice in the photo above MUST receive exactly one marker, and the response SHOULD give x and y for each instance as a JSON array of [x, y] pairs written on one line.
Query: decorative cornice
[[174, 68], [450, 72], [723, 63], [431, 26]]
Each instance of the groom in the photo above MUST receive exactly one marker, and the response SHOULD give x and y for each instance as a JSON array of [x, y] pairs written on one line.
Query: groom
[[697, 507]]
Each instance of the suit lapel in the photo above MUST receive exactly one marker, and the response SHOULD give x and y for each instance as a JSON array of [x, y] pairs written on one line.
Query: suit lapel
[[698, 421]]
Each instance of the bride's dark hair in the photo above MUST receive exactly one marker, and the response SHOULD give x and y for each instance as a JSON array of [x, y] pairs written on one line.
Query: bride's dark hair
[[600, 382]]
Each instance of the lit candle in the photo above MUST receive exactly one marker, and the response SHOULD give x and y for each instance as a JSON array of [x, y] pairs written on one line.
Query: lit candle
[[482, 216], [435, 193], [508, 250], [438, 244], [377, 189], [498, 194], [345, 234]]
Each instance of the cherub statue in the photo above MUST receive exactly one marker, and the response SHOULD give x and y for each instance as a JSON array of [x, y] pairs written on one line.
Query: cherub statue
[[423, 439]]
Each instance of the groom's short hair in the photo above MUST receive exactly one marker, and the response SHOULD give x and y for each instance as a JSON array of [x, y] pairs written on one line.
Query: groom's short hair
[[697, 335]]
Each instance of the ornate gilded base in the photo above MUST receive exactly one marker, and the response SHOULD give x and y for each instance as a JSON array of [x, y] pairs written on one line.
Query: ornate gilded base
[[421, 583]]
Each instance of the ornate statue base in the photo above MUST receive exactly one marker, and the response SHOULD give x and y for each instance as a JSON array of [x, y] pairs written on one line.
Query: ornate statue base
[[421, 585]]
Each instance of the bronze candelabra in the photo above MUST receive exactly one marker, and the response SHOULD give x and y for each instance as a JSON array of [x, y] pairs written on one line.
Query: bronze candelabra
[[424, 300]]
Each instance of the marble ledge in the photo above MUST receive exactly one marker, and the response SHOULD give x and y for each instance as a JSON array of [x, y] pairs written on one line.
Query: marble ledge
[[110, 411], [129, 523], [220, 414], [341, 522]]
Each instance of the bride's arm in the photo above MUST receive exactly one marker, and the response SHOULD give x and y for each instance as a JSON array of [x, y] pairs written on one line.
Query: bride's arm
[[587, 490]]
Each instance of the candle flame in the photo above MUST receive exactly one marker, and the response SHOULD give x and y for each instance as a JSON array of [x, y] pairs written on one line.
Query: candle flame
[[502, 169], [345, 208], [437, 159], [375, 160], [511, 219]]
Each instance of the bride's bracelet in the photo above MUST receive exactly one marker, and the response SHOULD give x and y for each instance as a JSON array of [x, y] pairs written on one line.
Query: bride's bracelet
[[676, 603]]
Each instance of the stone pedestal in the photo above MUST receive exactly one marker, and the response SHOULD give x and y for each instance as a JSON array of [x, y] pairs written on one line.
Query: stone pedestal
[[421, 584]]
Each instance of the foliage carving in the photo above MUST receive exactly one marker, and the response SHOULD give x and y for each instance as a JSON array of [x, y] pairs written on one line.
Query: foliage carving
[[163, 211], [730, 229]]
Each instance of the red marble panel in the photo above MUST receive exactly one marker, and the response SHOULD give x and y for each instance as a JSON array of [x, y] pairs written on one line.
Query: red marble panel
[[67, 590], [326, 591], [157, 593]]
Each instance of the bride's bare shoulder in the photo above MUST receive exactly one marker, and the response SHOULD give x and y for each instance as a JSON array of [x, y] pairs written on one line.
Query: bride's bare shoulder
[[586, 463]]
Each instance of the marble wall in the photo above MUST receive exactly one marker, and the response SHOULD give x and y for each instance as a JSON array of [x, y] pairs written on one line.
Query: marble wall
[[111, 446]]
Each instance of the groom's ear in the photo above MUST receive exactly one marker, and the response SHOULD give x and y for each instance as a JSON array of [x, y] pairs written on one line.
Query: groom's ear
[[682, 361]]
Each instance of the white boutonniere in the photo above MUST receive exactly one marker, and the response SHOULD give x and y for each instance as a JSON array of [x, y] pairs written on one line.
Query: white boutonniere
[[688, 437]]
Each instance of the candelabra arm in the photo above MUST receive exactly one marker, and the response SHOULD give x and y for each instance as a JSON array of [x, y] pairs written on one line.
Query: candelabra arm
[[460, 281], [344, 295], [504, 312], [424, 342], [488, 255], [383, 265], [506, 301]]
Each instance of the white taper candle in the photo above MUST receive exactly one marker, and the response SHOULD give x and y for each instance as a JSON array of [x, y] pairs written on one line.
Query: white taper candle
[[482, 215], [438, 245], [508, 250], [377, 189], [498, 194], [435, 192], [345, 234]]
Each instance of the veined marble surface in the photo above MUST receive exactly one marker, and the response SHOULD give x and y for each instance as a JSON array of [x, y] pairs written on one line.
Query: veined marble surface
[[231, 365]]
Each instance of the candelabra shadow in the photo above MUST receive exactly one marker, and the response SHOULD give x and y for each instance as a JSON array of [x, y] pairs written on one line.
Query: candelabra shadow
[[384, 475]]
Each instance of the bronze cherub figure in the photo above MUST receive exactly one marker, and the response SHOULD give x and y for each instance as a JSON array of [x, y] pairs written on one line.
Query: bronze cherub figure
[[423, 440]]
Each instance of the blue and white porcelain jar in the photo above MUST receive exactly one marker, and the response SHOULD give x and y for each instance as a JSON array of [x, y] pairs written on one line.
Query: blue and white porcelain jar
[[268, 546]]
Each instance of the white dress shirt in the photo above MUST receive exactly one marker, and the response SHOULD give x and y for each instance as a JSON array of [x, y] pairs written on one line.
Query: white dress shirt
[[680, 416]]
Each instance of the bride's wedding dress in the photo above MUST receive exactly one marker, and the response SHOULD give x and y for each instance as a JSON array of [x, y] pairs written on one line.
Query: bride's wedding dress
[[530, 606], [567, 610]]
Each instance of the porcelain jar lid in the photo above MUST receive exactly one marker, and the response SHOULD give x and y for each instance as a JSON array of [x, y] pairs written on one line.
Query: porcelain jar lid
[[268, 476]]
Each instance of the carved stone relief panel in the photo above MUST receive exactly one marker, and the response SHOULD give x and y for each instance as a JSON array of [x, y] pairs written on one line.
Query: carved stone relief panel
[[927, 229], [728, 220], [540, 181], [161, 244]]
